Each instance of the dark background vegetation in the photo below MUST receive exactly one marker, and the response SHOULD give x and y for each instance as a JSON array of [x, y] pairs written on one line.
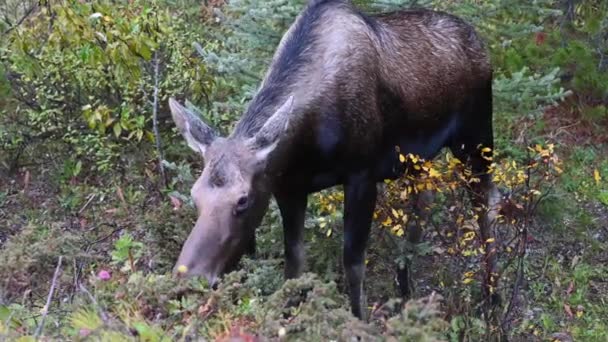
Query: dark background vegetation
[[94, 181]]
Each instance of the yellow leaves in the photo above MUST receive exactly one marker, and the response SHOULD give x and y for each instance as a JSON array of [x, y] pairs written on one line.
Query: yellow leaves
[[395, 213], [543, 152], [468, 236], [398, 230], [596, 176], [579, 311], [413, 158], [401, 158], [434, 173], [387, 222], [468, 277], [558, 169], [486, 150]]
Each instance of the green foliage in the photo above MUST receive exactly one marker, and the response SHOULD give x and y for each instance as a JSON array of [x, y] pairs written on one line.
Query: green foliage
[[97, 98], [527, 94]]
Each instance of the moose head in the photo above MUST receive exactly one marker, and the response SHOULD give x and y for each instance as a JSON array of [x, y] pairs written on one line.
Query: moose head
[[232, 193]]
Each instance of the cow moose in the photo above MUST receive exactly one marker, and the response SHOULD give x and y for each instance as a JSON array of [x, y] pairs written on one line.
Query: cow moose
[[343, 90]]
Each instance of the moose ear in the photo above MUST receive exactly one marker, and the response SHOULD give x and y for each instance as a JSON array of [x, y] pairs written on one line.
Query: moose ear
[[267, 138], [198, 135]]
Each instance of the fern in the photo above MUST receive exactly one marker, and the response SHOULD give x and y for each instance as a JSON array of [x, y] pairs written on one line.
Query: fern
[[86, 318]]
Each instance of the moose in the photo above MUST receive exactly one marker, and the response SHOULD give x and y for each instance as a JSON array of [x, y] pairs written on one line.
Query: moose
[[344, 89]]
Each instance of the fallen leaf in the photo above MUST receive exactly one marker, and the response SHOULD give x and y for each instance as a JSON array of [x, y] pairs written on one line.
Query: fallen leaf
[[26, 181], [596, 176], [121, 195], [177, 203], [208, 308], [570, 288], [568, 310], [438, 250]]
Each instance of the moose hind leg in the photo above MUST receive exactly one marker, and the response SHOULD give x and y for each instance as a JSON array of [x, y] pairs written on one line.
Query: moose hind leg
[[422, 203], [359, 203], [475, 134], [487, 197], [484, 195]]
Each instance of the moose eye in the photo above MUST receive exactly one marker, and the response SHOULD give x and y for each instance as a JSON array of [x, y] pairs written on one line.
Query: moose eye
[[241, 205]]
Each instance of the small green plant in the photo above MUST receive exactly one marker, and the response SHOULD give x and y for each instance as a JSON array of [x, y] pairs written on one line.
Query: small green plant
[[126, 252]]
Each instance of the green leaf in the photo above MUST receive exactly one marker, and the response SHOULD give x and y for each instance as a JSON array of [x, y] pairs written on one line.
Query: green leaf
[[77, 168], [117, 130], [145, 52]]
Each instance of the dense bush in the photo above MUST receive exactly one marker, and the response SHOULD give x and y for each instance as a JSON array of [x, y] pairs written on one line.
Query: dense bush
[[91, 75]]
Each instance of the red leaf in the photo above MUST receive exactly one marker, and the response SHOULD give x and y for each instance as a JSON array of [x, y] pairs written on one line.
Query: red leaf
[[570, 288], [177, 203], [539, 38]]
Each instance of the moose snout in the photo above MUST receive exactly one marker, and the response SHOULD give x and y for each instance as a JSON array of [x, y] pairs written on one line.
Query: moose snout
[[183, 271]]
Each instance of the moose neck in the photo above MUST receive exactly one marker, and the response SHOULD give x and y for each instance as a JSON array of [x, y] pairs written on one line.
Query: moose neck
[[289, 66]]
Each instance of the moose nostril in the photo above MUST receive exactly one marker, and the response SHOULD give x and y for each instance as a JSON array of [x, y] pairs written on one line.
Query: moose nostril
[[242, 204]]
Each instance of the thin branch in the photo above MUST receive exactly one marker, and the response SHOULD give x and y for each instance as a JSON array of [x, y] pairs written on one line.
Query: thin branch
[[155, 121], [49, 298], [91, 197], [20, 21], [103, 314]]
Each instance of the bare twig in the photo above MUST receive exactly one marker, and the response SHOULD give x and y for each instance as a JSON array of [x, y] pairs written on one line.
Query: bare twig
[[49, 298], [155, 121], [103, 314], [27, 13], [91, 197]]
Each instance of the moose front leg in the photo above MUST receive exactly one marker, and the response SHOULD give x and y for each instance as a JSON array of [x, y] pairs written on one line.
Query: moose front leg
[[359, 203], [293, 210]]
